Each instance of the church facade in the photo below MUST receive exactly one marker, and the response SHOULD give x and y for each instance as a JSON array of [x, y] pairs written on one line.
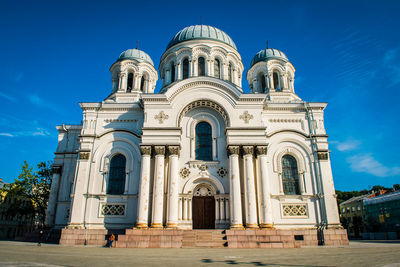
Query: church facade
[[199, 154]]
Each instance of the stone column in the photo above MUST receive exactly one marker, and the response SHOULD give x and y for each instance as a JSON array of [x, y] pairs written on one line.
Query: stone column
[[180, 208], [158, 191], [173, 195], [251, 220], [217, 210], [222, 208], [144, 188], [235, 196], [266, 208], [52, 204], [185, 209], [227, 209]]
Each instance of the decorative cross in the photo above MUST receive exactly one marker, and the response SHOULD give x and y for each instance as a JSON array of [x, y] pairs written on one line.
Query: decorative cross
[[246, 117], [161, 117]]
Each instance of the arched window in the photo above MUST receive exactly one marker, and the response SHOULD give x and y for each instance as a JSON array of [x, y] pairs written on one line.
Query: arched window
[[290, 175], [261, 80], [185, 69], [130, 82], [172, 72], [230, 70], [142, 81], [116, 177], [276, 81], [217, 69], [201, 66], [203, 141]]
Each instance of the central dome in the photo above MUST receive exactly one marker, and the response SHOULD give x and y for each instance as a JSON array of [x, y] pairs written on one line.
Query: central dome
[[201, 32]]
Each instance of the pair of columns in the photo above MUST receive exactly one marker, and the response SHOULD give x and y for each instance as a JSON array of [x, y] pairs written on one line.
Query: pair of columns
[[158, 189], [249, 179]]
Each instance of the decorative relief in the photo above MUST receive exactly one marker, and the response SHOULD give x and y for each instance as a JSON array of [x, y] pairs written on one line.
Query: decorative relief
[[205, 103], [113, 209], [202, 192], [118, 120], [323, 155], [84, 155], [203, 167], [233, 150], [246, 117], [261, 150], [294, 210], [184, 172], [159, 150], [222, 172], [145, 150], [285, 120], [161, 117]]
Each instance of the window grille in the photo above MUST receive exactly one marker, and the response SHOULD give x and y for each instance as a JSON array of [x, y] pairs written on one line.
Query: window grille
[[294, 210], [203, 141], [116, 179], [113, 209], [290, 175]]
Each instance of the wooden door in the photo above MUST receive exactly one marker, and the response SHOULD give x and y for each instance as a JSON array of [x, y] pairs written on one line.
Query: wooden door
[[203, 212]]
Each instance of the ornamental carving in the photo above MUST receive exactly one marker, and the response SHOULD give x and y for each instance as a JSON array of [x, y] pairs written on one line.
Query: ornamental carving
[[173, 150], [322, 155], [261, 150], [203, 167], [203, 192], [248, 150], [222, 172], [161, 117], [205, 103], [159, 150], [233, 150], [294, 210], [84, 155], [145, 150], [184, 172], [246, 117], [113, 209]]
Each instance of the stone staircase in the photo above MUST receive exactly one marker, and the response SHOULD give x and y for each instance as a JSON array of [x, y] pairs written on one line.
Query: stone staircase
[[204, 239]]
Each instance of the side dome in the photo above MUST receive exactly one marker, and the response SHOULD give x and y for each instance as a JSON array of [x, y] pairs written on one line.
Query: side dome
[[269, 53], [137, 54], [201, 32]]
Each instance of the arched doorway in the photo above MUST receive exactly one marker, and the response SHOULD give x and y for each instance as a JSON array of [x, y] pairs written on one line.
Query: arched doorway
[[203, 208]]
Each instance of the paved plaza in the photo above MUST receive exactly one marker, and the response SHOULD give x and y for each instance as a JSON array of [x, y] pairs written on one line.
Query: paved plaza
[[359, 253]]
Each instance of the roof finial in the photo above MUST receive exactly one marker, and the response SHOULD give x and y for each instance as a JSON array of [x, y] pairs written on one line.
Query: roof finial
[[137, 44], [267, 44]]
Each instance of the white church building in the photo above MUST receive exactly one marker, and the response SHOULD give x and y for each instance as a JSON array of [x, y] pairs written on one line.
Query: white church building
[[199, 154]]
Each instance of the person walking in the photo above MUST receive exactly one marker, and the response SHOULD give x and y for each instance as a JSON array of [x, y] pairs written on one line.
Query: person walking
[[112, 239]]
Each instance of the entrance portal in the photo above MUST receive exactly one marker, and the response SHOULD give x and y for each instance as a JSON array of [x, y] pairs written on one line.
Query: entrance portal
[[203, 212]]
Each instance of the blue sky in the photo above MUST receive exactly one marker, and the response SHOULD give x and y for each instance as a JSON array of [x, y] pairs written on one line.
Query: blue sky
[[54, 54]]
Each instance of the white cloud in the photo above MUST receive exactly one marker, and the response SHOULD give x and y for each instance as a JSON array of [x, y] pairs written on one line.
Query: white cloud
[[42, 103], [8, 97], [348, 145], [6, 134], [366, 163]]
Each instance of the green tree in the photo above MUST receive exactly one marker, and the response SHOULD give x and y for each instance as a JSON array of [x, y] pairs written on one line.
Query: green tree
[[396, 187], [32, 187]]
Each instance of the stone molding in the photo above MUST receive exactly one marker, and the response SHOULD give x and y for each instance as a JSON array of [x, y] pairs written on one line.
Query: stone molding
[[207, 104]]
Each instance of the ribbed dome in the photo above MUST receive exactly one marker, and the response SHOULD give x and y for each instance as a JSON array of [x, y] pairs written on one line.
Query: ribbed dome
[[267, 54], [137, 54], [201, 32]]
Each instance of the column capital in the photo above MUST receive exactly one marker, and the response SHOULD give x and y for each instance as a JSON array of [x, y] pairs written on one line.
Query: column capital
[[159, 150], [261, 150], [233, 150], [174, 150], [248, 150], [145, 150]]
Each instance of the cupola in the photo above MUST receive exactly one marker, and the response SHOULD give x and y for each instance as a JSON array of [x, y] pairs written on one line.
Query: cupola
[[133, 72]]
